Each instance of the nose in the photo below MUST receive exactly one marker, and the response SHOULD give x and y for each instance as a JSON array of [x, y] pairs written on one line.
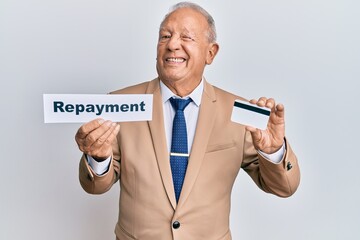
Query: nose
[[174, 43]]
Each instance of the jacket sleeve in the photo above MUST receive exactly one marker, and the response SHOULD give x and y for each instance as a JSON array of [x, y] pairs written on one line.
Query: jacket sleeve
[[281, 179], [97, 184]]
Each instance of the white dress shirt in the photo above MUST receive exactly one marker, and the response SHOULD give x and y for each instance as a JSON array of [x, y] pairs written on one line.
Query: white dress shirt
[[191, 113]]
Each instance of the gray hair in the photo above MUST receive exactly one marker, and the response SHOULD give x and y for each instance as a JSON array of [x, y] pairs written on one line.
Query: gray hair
[[212, 30]]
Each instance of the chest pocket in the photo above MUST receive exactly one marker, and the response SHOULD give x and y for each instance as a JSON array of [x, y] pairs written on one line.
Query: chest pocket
[[220, 147]]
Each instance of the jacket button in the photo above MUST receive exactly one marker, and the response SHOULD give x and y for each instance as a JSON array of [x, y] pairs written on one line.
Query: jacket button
[[176, 225], [288, 166]]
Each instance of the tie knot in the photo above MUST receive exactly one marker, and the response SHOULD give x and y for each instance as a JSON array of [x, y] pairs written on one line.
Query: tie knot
[[179, 103]]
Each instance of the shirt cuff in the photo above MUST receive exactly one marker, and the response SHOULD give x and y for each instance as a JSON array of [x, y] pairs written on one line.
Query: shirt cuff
[[275, 157], [100, 168]]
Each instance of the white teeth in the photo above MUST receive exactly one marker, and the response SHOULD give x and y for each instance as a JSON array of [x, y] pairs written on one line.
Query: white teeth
[[176, 60]]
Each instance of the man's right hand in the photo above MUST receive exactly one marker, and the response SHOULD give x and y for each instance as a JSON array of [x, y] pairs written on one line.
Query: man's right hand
[[95, 138]]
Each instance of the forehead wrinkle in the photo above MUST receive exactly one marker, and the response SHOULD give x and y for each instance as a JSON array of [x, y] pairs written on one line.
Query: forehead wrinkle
[[173, 24], [185, 30]]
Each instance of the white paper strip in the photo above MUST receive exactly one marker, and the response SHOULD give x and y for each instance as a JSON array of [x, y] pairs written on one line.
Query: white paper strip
[[79, 108]]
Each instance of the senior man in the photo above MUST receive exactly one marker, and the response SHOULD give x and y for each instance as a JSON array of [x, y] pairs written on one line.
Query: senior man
[[176, 172]]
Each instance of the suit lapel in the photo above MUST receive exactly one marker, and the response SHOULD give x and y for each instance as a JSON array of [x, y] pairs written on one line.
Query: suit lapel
[[157, 130], [205, 123]]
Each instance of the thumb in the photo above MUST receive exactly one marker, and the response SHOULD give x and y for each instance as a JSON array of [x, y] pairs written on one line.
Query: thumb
[[255, 133]]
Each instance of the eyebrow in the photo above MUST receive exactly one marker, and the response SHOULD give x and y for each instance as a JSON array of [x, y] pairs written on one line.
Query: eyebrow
[[184, 30]]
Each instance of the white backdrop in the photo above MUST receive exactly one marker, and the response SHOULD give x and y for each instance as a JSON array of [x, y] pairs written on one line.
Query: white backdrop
[[303, 53]]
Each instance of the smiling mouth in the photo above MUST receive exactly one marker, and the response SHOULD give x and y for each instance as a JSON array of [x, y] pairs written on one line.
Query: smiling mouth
[[175, 60]]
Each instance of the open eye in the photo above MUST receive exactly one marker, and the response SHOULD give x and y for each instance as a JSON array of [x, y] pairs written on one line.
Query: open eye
[[165, 36]]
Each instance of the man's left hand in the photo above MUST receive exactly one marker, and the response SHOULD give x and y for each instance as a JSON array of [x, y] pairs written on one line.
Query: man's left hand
[[271, 139]]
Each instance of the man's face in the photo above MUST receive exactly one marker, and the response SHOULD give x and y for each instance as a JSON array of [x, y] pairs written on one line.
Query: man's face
[[183, 49]]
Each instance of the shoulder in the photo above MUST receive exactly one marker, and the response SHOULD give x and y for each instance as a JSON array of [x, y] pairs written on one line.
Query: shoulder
[[140, 88], [225, 96]]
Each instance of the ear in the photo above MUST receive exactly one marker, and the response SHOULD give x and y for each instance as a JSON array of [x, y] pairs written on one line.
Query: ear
[[212, 51]]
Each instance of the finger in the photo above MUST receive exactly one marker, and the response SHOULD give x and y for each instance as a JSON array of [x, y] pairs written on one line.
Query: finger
[[107, 137], [270, 103], [93, 136], [260, 102], [102, 148], [255, 133], [253, 101], [250, 129], [280, 110], [87, 144], [85, 129]]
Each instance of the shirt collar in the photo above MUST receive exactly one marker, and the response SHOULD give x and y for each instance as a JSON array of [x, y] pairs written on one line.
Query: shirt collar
[[195, 95]]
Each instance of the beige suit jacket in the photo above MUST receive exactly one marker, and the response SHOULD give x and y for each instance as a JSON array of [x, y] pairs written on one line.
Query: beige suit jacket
[[147, 205]]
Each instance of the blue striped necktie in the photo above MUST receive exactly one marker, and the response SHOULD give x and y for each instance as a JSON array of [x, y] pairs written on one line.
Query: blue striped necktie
[[179, 148]]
